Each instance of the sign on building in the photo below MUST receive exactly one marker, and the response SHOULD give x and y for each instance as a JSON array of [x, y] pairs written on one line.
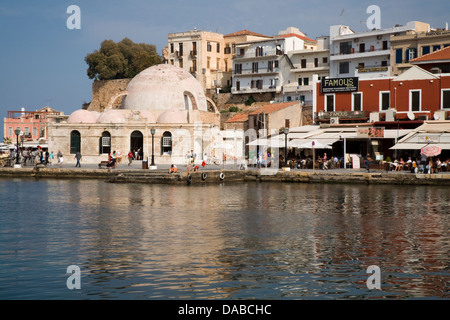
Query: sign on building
[[340, 85], [372, 132]]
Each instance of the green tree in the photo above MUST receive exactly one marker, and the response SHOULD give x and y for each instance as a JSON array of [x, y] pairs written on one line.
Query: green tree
[[120, 60]]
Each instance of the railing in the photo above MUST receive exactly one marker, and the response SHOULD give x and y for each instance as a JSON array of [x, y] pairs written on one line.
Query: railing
[[353, 51], [252, 54]]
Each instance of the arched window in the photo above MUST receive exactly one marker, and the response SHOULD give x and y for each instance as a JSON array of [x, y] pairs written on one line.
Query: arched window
[[166, 144], [75, 142], [105, 143], [137, 144]]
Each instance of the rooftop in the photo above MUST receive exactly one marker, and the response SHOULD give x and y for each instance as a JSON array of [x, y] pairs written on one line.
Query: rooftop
[[439, 55], [273, 107], [246, 32], [241, 117]]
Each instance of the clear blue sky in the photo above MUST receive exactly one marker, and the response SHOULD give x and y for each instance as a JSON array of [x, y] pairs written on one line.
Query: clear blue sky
[[42, 62]]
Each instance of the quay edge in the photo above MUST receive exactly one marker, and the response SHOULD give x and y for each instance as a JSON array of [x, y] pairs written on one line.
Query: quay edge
[[228, 176]]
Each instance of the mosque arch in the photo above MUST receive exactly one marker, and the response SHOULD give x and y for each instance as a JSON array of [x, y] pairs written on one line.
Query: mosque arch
[[137, 143], [211, 106], [75, 142], [110, 104], [105, 143], [189, 101], [166, 143]]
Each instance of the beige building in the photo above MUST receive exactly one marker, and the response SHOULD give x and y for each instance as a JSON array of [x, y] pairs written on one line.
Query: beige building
[[414, 44], [208, 56], [164, 99]]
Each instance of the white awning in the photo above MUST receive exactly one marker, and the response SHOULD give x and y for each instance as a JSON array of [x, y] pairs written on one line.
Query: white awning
[[408, 146]]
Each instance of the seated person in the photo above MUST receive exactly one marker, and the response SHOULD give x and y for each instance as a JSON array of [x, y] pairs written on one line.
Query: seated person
[[173, 169], [112, 161]]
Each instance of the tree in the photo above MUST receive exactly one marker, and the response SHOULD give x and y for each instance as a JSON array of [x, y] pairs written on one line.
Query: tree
[[120, 60]]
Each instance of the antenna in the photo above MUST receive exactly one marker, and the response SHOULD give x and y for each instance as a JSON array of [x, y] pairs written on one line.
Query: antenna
[[342, 16]]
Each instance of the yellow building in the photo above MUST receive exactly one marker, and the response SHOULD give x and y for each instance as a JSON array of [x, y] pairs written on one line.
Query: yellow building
[[414, 44], [208, 56]]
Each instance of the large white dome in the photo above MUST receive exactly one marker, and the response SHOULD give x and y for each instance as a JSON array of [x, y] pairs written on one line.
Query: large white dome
[[164, 87]]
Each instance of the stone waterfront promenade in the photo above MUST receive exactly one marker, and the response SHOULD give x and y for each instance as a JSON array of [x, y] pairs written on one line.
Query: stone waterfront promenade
[[225, 174]]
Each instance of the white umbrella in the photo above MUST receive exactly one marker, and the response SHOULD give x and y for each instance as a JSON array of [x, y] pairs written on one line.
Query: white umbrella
[[313, 144]]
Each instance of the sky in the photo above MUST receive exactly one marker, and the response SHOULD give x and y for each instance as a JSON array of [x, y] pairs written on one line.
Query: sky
[[42, 60]]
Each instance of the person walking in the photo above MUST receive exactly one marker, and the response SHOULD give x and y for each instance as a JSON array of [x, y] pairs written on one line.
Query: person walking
[[60, 158], [130, 157], [78, 157]]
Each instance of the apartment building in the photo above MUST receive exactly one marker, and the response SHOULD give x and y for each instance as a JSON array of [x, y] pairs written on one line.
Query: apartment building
[[415, 44], [305, 65], [264, 66], [206, 55], [365, 54]]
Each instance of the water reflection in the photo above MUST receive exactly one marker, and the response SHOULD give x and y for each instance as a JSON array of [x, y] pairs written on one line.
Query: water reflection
[[263, 241]]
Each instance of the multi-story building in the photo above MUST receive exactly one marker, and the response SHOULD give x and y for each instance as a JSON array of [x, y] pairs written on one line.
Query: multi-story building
[[415, 44], [306, 64], [32, 124], [364, 54], [206, 55], [264, 66]]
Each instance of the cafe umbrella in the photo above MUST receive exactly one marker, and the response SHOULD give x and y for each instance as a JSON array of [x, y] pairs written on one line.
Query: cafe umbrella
[[430, 151]]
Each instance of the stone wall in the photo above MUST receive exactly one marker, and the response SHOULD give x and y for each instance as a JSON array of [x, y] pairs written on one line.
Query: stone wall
[[104, 90]]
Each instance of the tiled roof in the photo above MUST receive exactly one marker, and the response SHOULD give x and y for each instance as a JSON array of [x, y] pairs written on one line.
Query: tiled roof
[[246, 32], [241, 117], [443, 54], [296, 35], [269, 108]]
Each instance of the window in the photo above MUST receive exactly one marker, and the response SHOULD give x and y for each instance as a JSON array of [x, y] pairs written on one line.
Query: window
[[357, 101], [384, 63], [303, 63], [171, 48], [218, 48], [329, 102], [166, 143], [316, 62], [415, 100], [194, 48], [411, 53], [270, 66], [445, 99], [180, 63], [208, 46], [362, 47], [344, 67], [105, 143], [208, 62], [306, 81], [325, 60], [26, 131], [75, 142], [259, 51], [275, 63], [233, 48], [10, 131], [385, 100], [425, 50], [345, 47], [300, 81], [238, 86], [398, 55], [255, 67], [227, 49], [385, 45], [180, 49], [238, 68], [436, 47], [256, 84]]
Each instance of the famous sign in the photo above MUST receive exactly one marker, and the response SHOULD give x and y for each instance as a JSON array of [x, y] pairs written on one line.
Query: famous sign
[[340, 85]]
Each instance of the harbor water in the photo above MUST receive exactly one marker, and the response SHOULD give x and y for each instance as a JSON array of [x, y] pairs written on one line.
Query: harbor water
[[222, 241]]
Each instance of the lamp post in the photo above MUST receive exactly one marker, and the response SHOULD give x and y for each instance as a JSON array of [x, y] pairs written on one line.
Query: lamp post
[[17, 132], [286, 132], [152, 165]]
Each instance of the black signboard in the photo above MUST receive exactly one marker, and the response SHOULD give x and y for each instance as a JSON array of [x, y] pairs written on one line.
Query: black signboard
[[339, 85]]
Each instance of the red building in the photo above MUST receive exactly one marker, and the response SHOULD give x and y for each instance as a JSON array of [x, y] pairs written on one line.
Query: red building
[[414, 95], [32, 124]]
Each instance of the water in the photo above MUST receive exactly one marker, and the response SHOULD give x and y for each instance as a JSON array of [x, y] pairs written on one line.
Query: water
[[238, 241]]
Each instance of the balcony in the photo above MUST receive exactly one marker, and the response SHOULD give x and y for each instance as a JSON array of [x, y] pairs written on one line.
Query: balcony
[[355, 54], [256, 90], [251, 54], [193, 53]]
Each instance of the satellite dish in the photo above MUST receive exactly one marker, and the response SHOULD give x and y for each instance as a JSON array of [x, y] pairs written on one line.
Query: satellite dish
[[411, 115]]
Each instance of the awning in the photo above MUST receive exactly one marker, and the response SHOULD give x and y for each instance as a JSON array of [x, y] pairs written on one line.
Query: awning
[[408, 146]]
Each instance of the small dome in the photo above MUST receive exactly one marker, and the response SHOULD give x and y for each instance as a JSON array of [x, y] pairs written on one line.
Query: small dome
[[113, 116], [83, 116], [173, 116], [150, 116]]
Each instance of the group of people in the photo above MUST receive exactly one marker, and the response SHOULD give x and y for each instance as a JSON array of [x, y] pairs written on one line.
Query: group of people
[[38, 156], [421, 165]]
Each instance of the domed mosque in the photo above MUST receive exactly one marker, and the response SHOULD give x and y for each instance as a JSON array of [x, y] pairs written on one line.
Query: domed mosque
[[162, 99]]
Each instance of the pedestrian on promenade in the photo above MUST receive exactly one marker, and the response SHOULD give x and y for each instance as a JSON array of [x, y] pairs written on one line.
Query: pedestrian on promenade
[[367, 161], [78, 157], [51, 157], [130, 157], [60, 158]]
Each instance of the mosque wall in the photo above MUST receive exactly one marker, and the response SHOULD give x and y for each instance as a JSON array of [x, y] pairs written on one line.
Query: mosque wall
[[104, 90]]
